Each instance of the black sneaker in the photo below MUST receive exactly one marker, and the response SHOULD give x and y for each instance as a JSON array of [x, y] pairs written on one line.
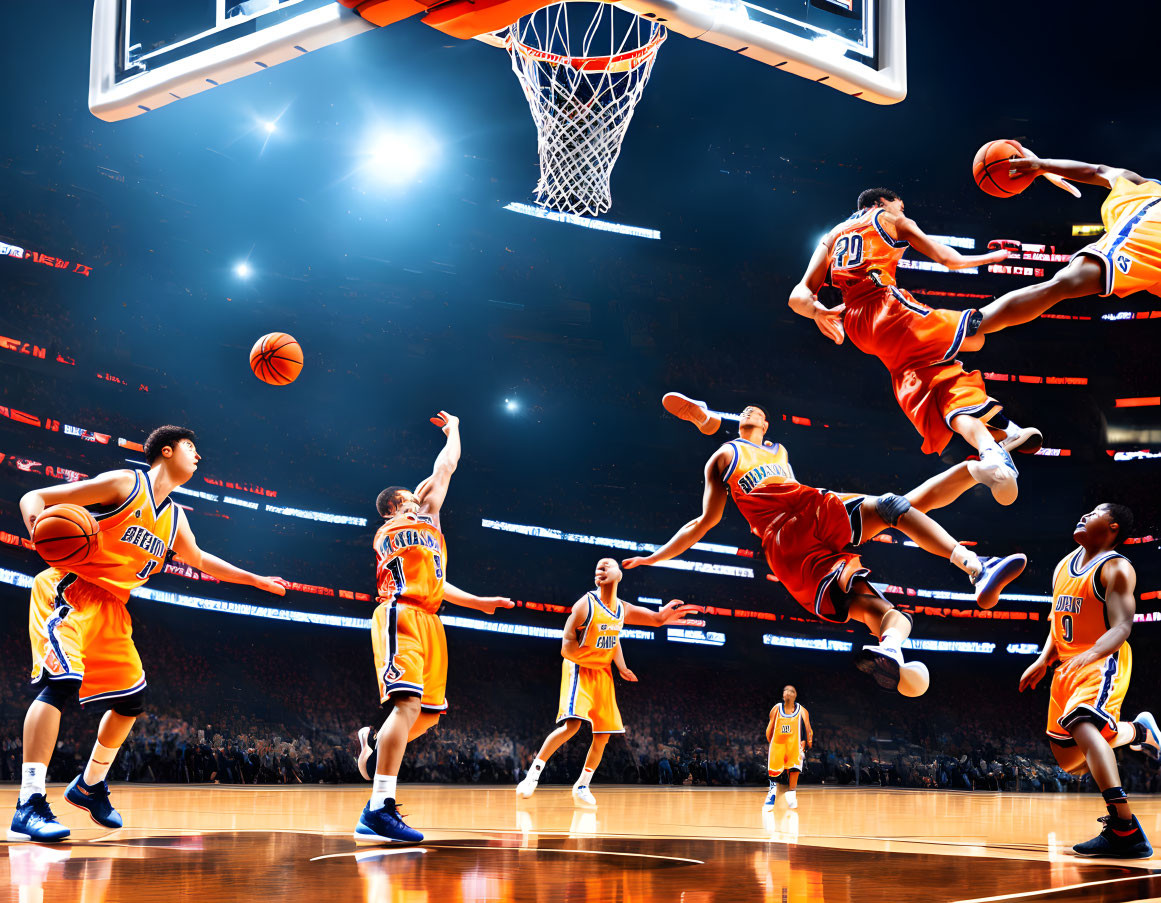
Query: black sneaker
[[1116, 843]]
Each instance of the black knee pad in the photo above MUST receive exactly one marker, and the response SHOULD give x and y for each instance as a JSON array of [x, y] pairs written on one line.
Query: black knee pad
[[130, 706], [891, 507], [59, 693]]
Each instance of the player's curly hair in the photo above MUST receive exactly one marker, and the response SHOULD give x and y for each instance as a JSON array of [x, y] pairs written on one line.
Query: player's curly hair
[[166, 435], [1122, 516], [388, 499], [872, 196]]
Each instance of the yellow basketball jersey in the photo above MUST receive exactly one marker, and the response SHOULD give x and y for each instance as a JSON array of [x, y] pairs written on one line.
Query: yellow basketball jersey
[[599, 634], [1078, 603], [787, 727], [756, 465], [411, 558], [133, 541], [1127, 201]]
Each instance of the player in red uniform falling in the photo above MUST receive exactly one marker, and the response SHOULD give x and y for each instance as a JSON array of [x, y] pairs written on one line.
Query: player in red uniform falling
[[917, 344], [807, 533]]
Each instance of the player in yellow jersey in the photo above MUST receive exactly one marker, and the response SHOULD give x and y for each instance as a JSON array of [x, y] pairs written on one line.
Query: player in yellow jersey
[[1126, 259], [1092, 615], [807, 535], [407, 636], [81, 634], [790, 735], [591, 643]]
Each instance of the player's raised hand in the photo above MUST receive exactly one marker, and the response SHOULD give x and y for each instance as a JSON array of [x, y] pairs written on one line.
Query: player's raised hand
[[489, 604], [1033, 675], [1030, 164], [274, 585], [446, 422], [629, 563], [675, 613], [628, 675], [830, 323]]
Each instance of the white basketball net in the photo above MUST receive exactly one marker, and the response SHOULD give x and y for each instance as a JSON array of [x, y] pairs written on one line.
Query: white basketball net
[[582, 87]]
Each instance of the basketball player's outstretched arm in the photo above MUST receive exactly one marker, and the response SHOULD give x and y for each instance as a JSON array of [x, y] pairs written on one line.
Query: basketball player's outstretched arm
[[804, 296], [486, 604], [109, 488], [908, 230], [619, 660], [187, 550], [713, 505], [433, 490], [1120, 581], [671, 614], [1089, 173]]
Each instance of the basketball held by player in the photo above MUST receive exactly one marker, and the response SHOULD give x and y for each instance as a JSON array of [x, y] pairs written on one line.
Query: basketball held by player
[[808, 537], [1093, 604], [590, 646], [790, 735], [918, 345], [79, 625], [407, 636]]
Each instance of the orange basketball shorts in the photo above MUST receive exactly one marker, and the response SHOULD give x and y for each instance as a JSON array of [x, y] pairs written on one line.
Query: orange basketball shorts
[[410, 654], [932, 397], [806, 546], [891, 325], [1094, 693], [785, 755], [82, 632], [588, 694], [1132, 261]]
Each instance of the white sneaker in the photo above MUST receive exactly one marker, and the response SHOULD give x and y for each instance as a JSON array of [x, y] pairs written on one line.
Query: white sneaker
[[792, 799], [526, 788], [995, 470], [365, 750], [882, 663], [1152, 744], [914, 679], [696, 412], [996, 573], [583, 797]]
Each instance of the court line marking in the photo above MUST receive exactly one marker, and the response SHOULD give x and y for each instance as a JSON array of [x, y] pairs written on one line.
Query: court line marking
[[371, 852], [435, 846], [1056, 890]]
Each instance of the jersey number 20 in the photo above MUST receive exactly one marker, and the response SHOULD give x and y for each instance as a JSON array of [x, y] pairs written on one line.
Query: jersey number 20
[[848, 251]]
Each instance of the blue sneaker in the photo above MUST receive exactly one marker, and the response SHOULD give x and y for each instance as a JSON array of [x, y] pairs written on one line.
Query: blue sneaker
[[95, 801], [1152, 744], [34, 821], [771, 800], [997, 573], [384, 825], [1116, 843]]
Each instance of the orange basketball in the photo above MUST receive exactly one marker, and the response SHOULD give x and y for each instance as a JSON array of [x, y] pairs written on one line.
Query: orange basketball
[[276, 359], [65, 535], [990, 170]]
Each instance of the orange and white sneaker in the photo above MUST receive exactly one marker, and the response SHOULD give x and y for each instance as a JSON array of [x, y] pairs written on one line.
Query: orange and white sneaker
[[695, 412]]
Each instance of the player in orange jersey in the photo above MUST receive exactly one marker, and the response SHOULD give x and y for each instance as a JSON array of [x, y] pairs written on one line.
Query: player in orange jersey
[[790, 735], [807, 533], [1092, 615], [406, 633], [591, 643], [917, 344], [1126, 259], [82, 637]]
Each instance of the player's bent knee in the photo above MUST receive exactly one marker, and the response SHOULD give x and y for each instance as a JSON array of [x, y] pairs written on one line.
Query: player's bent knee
[[891, 507], [59, 693], [130, 706]]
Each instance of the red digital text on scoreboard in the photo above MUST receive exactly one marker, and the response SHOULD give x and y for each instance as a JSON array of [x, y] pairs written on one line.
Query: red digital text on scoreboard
[[57, 263]]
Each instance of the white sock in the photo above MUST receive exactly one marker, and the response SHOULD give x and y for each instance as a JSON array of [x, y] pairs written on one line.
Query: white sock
[[534, 772], [586, 778], [32, 775], [966, 560], [990, 445], [893, 637], [99, 761], [382, 789], [1011, 430]]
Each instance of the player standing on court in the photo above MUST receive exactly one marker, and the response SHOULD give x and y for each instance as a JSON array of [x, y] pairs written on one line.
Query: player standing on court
[[917, 344], [1092, 615], [81, 633], [591, 643], [406, 633], [789, 734]]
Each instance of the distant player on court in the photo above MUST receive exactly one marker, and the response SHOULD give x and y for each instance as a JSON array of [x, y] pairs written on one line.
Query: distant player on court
[[789, 734], [1092, 614], [406, 633], [917, 344], [592, 641], [1126, 259], [82, 637], [806, 536]]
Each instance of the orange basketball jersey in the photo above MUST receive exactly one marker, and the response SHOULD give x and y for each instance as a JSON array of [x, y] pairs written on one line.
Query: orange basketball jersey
[[861, 246], [133, 541], [1130, 249], [599, 635], [1078, 603], [754, 466], [411, 557], [787, 726]]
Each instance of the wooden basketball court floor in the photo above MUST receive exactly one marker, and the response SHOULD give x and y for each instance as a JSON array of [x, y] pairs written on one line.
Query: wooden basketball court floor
[[687, 845]]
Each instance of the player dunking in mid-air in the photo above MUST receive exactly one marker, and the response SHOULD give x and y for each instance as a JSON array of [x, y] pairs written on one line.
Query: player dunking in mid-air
[[789, 734], [406, 633], [807, 533], [917, 344], [1092, 615], [592, 641], [82, 637], [1126, 259]]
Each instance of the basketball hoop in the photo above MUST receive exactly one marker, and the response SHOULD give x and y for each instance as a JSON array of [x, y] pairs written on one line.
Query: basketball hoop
[[583, 67]]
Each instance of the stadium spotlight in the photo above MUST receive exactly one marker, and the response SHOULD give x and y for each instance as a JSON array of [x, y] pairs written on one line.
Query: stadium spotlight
[[511, 405], [271, 126], [397, 157], [242, 270]]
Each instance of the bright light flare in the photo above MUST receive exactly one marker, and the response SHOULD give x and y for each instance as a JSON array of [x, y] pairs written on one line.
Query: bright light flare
[[243, 270], [398, 157]]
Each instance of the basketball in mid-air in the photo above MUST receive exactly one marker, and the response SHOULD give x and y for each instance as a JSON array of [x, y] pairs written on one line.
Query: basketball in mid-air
[[991, 171], [65, 535], [276, 359]]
